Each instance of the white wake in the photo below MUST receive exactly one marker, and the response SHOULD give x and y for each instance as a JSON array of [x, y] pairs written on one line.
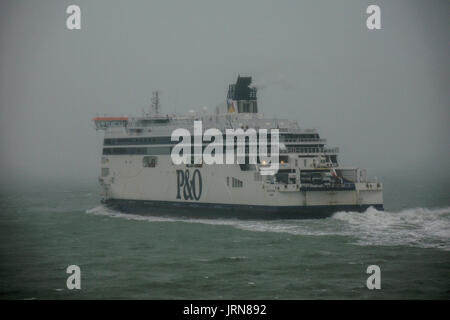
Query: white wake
[[421, 227], [418, 227]]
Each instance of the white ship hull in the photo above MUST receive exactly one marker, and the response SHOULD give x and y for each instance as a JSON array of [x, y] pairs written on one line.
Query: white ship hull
[[134, 188]]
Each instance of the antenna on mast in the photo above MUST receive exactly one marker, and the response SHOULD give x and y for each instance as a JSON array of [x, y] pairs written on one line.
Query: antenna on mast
[[155, 102]]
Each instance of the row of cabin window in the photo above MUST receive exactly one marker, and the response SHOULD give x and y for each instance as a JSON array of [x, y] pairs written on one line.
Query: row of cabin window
[[167, 140], [164, 151], [129, 151], [291, 149], [151, 162]]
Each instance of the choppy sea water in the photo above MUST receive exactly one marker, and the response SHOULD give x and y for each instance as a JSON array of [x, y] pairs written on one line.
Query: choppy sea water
[[43, 230]]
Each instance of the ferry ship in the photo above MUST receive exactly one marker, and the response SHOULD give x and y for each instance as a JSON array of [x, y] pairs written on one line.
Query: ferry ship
[[138, 174]]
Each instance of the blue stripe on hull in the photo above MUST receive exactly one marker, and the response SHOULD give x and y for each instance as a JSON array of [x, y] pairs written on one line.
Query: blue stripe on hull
[[212, 210]]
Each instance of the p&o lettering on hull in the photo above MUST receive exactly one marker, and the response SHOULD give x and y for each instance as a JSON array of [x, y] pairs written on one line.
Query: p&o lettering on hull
[[189, 188]]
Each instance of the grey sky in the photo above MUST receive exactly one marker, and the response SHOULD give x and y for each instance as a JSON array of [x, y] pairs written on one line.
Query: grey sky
[[381, 96]]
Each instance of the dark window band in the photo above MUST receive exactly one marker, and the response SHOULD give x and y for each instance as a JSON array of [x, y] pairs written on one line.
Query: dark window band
[[139, 151], [167, 140]]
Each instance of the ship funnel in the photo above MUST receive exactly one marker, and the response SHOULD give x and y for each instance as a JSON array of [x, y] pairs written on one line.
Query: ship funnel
[[241, 96]]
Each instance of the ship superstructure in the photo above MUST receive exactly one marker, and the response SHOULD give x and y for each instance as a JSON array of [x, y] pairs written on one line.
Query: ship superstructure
[[138, 174]]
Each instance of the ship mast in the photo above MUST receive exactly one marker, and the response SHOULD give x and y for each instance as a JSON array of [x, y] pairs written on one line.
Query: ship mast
[[155, 107]]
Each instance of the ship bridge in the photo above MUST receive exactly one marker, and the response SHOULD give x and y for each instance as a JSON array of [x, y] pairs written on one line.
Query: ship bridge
[[102, 123]]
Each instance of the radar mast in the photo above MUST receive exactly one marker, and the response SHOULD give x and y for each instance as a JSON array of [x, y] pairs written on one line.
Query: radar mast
[[155, 108]]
